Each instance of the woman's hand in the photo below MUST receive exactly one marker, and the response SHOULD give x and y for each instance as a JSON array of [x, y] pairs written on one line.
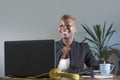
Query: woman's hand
[[65, 51]]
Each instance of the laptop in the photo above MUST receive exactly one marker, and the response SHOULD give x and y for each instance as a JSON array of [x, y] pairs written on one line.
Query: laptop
[[29, 58]]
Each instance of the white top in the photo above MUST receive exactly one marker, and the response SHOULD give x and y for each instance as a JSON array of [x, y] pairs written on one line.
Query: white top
[[64, 64]]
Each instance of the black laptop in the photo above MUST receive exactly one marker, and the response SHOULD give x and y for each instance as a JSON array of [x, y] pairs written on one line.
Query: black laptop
[[29, 58]]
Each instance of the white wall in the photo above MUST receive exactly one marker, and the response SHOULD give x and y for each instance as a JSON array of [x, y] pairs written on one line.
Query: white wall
[[38, 19]]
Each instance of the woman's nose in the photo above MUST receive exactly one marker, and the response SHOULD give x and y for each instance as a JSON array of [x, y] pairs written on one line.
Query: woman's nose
[[64, 28]]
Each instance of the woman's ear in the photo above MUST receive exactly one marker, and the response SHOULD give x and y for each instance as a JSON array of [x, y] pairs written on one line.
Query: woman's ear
[[59, 29], [76, 29]]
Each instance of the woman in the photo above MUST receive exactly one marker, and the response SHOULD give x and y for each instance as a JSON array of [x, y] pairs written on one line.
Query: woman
[[70, 54]]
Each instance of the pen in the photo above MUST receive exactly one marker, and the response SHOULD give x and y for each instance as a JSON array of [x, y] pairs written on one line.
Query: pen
[[92, 74]]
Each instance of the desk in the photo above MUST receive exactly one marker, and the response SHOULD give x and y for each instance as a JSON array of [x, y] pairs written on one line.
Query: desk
[[115, 78]]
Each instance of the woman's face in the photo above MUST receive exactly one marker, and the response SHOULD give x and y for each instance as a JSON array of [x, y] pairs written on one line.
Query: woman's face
[[67, 28]]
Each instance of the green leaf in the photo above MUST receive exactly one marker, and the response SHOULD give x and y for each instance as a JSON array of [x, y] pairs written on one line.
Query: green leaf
[[99, 38]]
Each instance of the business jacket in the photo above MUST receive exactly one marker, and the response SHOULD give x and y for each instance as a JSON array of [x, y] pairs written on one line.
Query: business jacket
[[80, 53]]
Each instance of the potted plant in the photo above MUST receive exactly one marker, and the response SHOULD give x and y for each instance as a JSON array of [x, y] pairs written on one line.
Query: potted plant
[[99, 38]]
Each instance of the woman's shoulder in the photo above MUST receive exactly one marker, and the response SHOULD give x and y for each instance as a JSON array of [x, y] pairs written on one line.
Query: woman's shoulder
[[81, 43], [58, 42]]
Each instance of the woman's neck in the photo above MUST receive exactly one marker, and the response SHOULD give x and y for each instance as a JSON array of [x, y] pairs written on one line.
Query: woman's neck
[[67, 42]]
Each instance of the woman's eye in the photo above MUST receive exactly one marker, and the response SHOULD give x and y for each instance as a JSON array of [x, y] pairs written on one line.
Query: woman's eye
[[68, 25], [60, 25]]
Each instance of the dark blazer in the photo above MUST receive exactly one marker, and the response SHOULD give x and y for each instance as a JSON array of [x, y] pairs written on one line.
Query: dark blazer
[[80, 53]]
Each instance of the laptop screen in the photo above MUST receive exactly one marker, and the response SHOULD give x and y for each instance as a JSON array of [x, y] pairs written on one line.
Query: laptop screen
[[29, 58]]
